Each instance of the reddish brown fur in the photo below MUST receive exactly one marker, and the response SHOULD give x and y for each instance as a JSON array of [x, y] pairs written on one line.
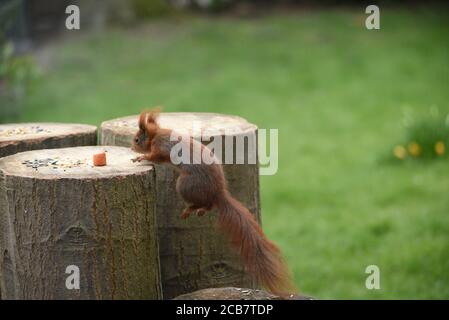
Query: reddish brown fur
[[261, 256], [203, 187]]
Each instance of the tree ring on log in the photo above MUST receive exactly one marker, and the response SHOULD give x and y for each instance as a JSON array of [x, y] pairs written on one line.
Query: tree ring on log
[[193, 122]]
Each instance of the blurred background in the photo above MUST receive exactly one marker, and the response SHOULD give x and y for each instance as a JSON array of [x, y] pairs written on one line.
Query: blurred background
[[362, 114]]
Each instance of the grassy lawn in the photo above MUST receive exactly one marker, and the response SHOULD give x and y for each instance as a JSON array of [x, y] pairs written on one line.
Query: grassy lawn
[[338, 94]]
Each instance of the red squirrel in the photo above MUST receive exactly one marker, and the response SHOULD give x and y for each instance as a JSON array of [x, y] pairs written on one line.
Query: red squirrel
[[203, 187]]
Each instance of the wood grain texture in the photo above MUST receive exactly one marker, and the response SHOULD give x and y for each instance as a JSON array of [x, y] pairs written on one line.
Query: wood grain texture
[[193, 253], [101, 219], [19, 137]]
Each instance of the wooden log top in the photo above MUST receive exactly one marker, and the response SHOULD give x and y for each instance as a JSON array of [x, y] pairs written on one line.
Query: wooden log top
[[193, 123], [15, 132], [74, 163]]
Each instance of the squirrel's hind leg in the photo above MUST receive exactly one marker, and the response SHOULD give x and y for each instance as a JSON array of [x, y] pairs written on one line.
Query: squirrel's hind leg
[[188, 211], [200, 211]]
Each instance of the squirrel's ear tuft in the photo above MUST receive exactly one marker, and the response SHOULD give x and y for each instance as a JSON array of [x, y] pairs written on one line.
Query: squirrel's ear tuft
[[148, 116], [149, 122], [142, 120], [153, 115]]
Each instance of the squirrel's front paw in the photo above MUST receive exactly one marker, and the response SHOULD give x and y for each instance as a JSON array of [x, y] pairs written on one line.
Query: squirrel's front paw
[[138, 159]]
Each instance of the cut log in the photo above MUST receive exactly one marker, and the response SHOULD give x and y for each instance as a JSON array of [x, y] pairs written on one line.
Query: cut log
[[60, 214], [193, 252], [19, 137]]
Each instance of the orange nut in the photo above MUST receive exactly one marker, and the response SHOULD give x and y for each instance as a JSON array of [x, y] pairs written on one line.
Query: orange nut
[[100, 159]]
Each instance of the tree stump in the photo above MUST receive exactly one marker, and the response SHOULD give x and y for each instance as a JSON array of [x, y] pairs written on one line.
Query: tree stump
[[19, 137], [193, 252], [57, 210]]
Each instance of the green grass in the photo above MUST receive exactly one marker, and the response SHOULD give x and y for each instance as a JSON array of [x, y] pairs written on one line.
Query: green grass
[[338, 94]]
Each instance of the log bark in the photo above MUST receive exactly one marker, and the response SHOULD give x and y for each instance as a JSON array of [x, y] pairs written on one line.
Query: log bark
[[19, 137], [70, 213], [193, 252]]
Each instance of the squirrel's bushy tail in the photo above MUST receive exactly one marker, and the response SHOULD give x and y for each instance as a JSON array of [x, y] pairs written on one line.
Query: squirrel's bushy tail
[[261, 256]]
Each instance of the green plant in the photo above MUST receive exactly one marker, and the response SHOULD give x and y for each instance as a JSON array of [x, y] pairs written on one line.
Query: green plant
[[16, 76], [16, 72], [426, 138]]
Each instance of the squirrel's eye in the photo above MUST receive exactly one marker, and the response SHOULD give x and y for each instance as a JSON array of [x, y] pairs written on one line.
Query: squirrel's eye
[[136, 140]]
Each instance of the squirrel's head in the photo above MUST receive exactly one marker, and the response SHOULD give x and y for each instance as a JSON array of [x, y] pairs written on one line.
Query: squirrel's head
[[148, 128]]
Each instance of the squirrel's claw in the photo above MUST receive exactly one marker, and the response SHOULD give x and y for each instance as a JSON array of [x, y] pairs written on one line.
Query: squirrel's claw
[[200, 212], [138, 159], [188, 211], [185, 214]]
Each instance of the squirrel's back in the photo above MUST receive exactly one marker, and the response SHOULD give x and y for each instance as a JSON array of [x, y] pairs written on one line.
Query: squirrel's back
[[191, 156]]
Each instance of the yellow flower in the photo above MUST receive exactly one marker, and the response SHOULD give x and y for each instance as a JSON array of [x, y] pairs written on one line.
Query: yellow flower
[[414, 149], [440, 148], [400, 152]]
